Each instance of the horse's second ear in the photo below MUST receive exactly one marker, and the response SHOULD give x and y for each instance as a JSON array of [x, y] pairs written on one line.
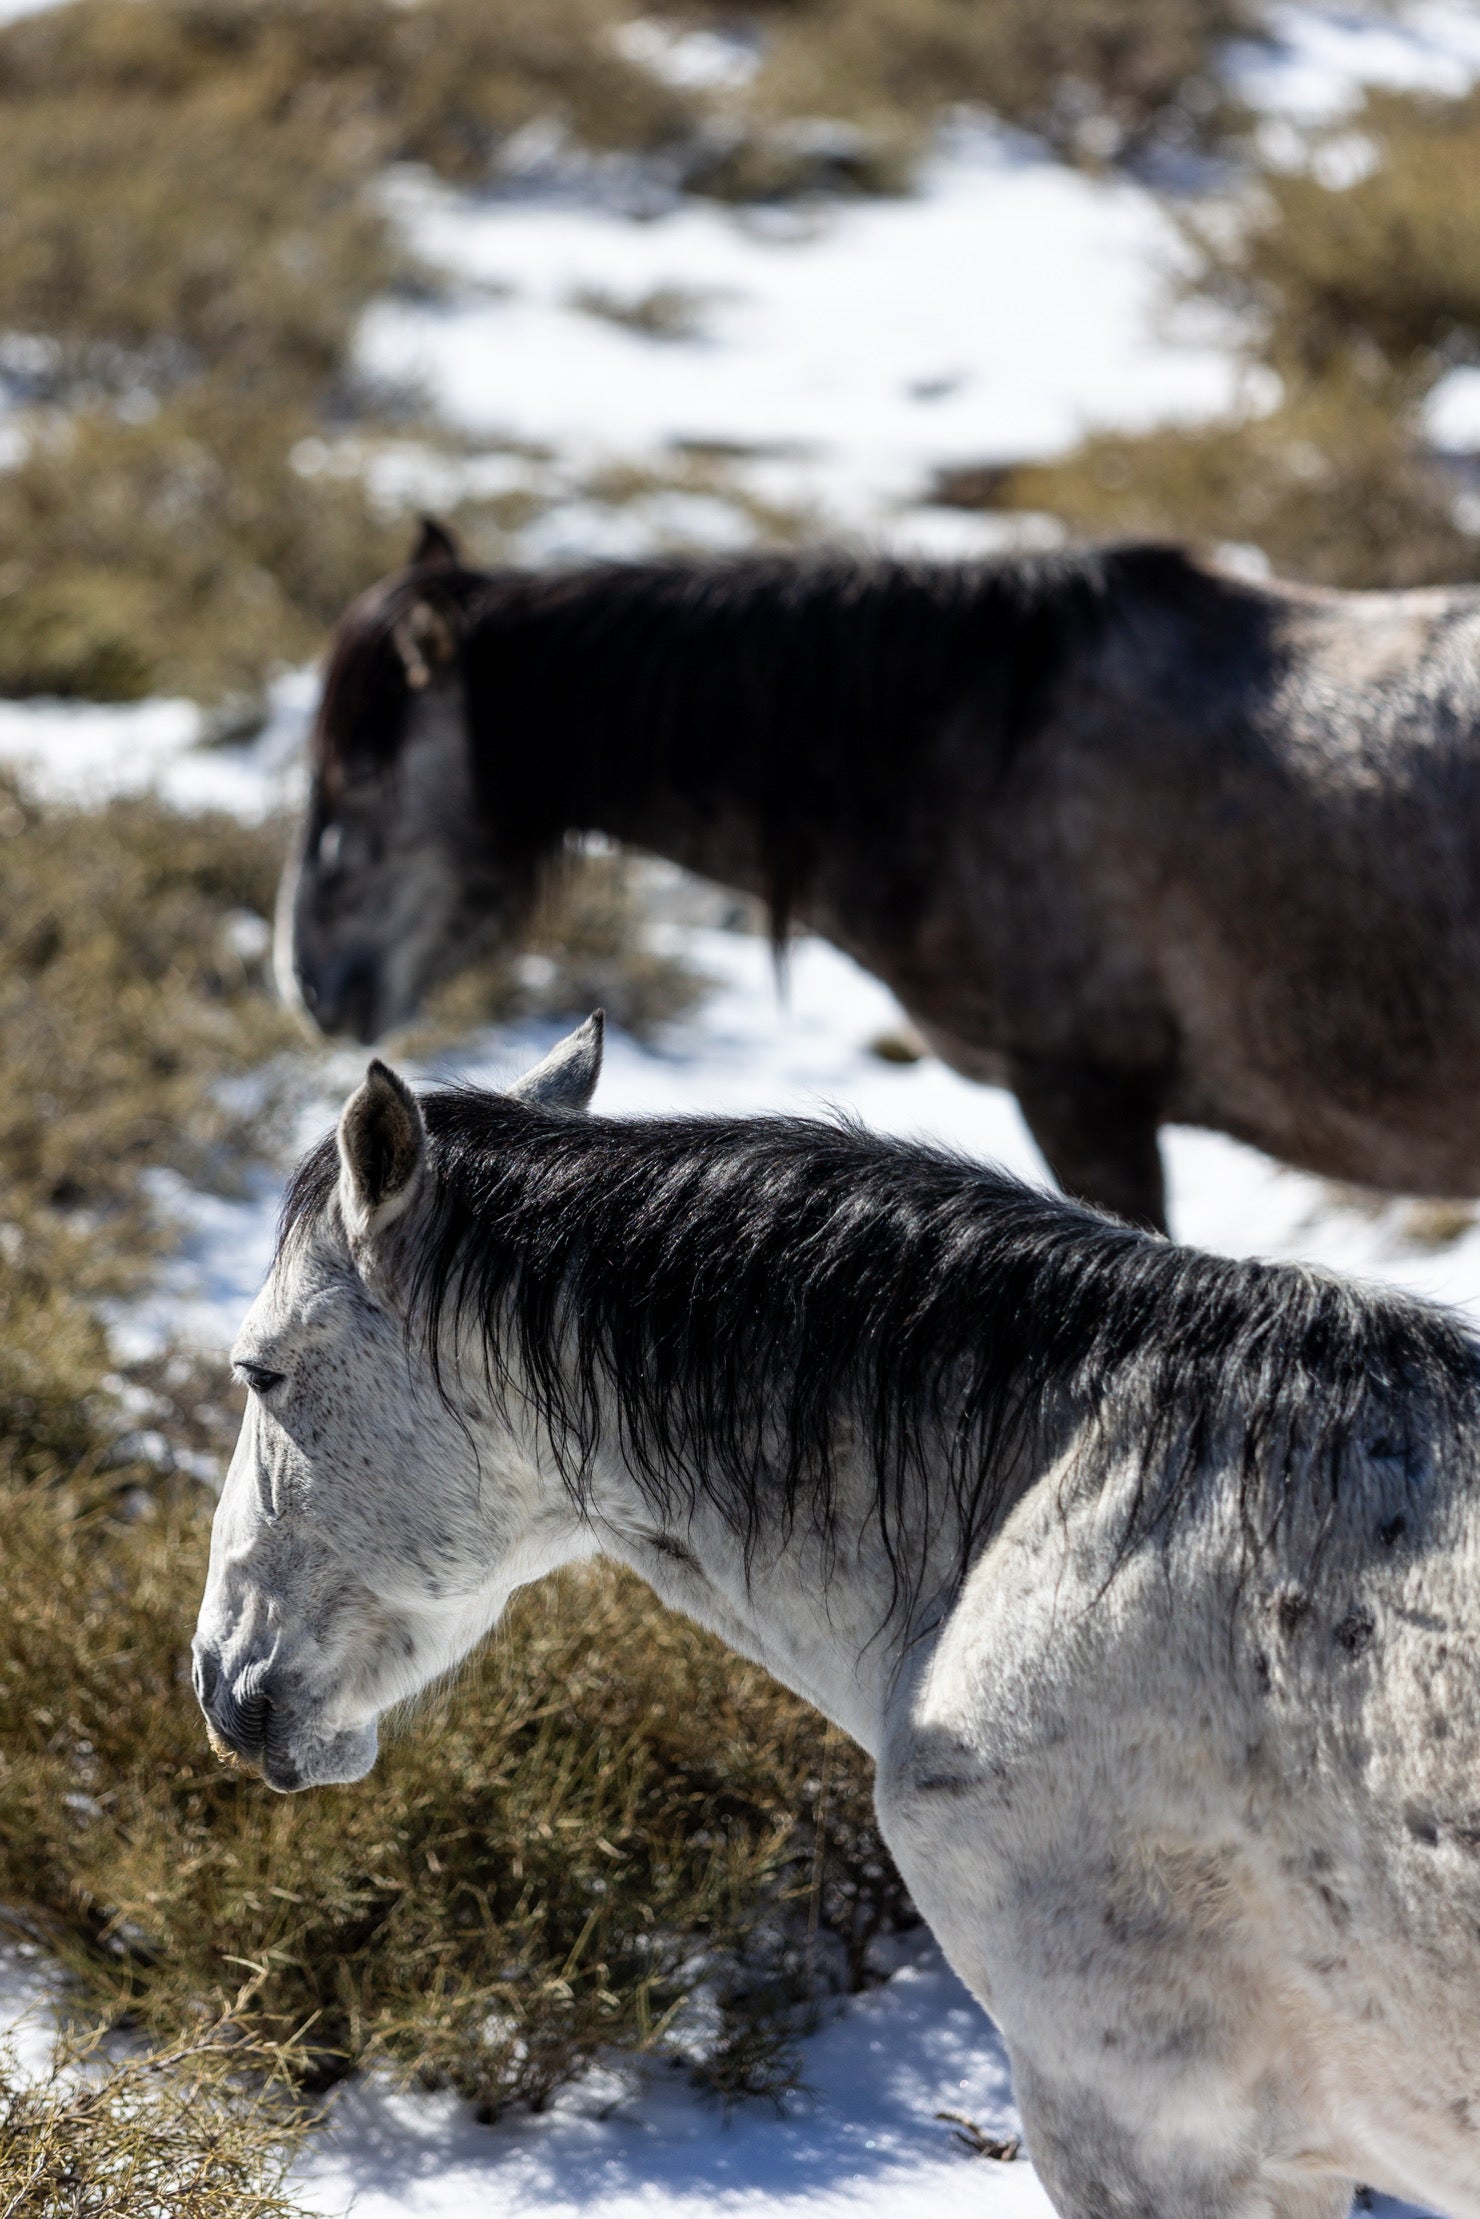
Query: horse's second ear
[[435, 548], [567, 1078], [382, 1152]]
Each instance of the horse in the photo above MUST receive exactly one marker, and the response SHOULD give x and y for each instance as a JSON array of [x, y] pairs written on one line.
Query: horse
[[1142, 840], [1147, 1578]]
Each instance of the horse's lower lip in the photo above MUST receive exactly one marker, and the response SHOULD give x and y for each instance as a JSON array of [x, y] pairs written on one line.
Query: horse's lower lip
[[281, 1774]]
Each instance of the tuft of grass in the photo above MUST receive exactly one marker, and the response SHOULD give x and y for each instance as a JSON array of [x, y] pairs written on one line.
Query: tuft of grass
[[665, 312], [1334, 488], [183, 2132], [1367, 261], [150, 242], [181, 554], [1099, 78], [126, 1007]]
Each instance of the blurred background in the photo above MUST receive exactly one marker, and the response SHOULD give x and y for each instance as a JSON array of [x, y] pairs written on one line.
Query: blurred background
[[276, 276]]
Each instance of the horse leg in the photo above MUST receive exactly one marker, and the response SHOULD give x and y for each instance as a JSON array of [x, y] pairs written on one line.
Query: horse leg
[[1097, 1130], [1197, 2164]]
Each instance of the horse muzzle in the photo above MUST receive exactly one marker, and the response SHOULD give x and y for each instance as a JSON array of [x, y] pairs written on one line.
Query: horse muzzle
[[250, 1728], [345, 999]]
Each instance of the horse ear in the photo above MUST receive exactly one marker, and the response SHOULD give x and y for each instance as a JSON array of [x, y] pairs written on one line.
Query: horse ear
[[435, 548], [567, 1078], [382, 1153], [425, 642]]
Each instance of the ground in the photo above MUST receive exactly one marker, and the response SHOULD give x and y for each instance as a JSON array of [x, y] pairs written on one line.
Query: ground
[[629, 371]]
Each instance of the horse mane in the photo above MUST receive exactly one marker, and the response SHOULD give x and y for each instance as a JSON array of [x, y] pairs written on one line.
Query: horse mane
[[738, 1296], [806, 689]]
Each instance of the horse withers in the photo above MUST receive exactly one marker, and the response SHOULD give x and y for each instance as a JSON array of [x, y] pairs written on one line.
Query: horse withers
[[1142, 840], [1150, 1580]]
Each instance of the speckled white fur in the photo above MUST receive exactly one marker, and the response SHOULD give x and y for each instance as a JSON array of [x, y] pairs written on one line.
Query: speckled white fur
[[1231, 1931]]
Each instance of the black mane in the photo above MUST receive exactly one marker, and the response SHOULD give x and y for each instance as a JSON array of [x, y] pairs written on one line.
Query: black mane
[[738, 1291], [807, 690]]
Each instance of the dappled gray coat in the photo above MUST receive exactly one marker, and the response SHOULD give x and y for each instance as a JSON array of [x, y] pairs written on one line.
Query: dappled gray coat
[[1144, 841]]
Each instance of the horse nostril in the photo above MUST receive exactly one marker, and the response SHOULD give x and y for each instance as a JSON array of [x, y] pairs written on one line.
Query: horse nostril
[[249, 1727], [204, 1674]]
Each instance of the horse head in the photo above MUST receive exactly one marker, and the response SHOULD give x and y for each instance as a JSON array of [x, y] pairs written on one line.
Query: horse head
[[372, 1524], [392, 885]]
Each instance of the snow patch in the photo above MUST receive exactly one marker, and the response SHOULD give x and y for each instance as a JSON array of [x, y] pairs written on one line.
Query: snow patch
[[87, 752], [1319, 61], [864, 343]]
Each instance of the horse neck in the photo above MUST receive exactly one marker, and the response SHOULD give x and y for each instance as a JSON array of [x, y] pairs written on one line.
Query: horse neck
[[760, 737], [821, 1617]]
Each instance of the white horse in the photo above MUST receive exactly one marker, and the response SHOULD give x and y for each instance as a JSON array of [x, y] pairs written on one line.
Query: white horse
[[1148, 1579]]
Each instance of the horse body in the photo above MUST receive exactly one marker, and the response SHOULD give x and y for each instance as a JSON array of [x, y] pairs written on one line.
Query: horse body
[[1140, 840], [1147, 1579]]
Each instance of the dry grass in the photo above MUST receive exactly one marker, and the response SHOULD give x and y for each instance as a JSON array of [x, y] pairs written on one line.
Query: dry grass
[[607, 1812], [1096, 77], [151, 241], [183, 2133], [183, 554], [1379, 277], [1357, 297], [445, 83], [125, 1005], [1333, 488]]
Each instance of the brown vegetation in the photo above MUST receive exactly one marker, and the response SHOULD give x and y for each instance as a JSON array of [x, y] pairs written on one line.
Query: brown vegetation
[[1096, 77], [1333, 488], [183, 2133], [1377, 278], [606, 1814], [1357, 295]]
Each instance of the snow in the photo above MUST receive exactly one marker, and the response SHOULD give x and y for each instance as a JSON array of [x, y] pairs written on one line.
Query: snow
[[1320, 61], [1451, 414], [860, 344], [88, 752], [28, 1994], [695, 60], [862, 2139]]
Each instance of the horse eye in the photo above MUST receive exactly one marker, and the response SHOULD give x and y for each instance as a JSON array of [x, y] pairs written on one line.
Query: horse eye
[[261, 1378]]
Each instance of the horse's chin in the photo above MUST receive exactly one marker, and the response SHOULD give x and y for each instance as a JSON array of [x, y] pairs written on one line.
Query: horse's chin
[[333, 1760]]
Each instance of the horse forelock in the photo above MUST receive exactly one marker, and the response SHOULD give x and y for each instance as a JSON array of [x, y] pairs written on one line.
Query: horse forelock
[[743, 1300]]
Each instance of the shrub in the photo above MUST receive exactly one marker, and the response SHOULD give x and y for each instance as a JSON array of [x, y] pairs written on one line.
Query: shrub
[[1378, 275], [182, 554], [1333, 488], [1095, 76], [182, 2134]]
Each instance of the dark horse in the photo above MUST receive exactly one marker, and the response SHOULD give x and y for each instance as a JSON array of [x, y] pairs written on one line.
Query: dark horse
[[1139, 839]]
